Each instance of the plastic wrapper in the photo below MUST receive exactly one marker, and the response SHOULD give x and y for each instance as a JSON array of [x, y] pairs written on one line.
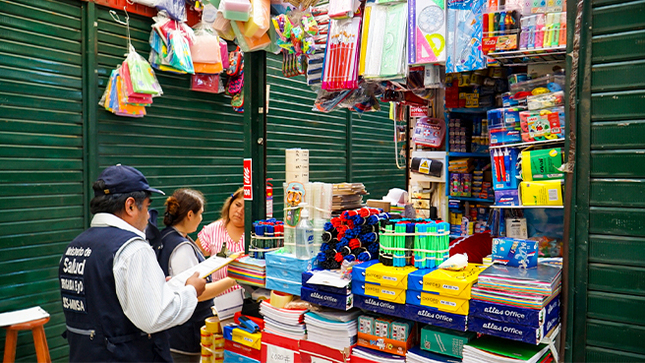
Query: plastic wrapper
[[176, 9], [211, 83], [327, 101], [205, 48], [149, 3], [429, 132], [260, 19], [464, 30], [249, 44], [223, 46], [142, 75], [223, 27], [132, 97], [179, 52], [238, 10], [343, 9]]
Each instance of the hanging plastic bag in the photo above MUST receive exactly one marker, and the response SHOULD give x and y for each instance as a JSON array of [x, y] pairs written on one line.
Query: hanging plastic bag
[[249, 44], [223, 27], [142, 76], [125, 109], [206, 48], [179, 52], [211, 83], [131, 97], [260, 19], [223, 47], [176, 9]]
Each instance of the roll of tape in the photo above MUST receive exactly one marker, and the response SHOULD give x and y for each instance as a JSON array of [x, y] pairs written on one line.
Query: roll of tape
[[280, 299], [206, 351], [203, 331], [213, 326]]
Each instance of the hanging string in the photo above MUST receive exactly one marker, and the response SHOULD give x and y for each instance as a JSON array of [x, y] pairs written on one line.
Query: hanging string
[[116, 18]]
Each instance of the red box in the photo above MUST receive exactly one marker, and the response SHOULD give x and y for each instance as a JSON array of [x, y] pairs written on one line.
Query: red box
[[310, 351], [240, 349], [276, 348]]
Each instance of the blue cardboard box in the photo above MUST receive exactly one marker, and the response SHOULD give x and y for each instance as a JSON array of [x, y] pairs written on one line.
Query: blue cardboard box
[[515, 315], [379, 306], [331, 289], [520, 333], [290, 287], [515, 252], [427, 315], [289, 262], [324, 298]]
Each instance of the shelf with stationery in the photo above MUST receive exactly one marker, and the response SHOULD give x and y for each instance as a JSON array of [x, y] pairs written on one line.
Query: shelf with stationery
[[497, 206], [524, 145], [530, 56], [470, 199]]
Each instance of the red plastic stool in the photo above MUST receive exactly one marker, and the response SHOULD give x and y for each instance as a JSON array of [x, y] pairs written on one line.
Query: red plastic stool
[[40, 341]]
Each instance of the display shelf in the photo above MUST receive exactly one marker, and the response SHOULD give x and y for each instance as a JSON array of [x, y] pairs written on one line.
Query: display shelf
[[469, 199], [528, 144], [530, 56], [469, 110], [527, 206], [468, 155]]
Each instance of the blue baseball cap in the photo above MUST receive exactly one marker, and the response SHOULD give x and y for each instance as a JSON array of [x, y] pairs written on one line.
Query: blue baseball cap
[[124, 179]]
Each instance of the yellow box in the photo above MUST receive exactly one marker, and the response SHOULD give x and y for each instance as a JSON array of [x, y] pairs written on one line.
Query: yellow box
[[453, 283], [389, 276], [245, 338], [546, 192], [442, 303], [386, 293]]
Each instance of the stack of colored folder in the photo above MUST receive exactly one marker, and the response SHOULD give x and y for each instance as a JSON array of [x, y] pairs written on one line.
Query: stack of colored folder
[[248, 270]]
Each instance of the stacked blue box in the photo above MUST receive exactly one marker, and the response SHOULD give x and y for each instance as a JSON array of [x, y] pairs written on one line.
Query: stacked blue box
[[233, 357], [284, 271], [319, 289]]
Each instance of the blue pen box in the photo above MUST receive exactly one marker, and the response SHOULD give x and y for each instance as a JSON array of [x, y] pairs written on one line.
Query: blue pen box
[[324, 298], [515, 252], [520, 333]]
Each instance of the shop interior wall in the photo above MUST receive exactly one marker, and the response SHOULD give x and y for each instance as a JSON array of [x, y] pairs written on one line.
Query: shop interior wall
[[55, 139], [343, 146], [608, 291]]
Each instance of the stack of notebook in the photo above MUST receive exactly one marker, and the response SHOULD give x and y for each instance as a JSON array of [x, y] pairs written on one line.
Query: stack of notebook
[[363, 354], [248, 270], [515, 303], [495, 350], [347, 196], [416, 355], [336, 331], [284, 322]]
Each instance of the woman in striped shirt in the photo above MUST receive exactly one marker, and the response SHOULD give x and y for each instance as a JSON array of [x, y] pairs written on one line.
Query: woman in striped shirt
[[226, 235]]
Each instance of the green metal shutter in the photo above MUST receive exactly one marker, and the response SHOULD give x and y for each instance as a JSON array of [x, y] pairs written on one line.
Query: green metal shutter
[[372, 153], [187, 139], [41, 157], [609, 286], [291, 123]]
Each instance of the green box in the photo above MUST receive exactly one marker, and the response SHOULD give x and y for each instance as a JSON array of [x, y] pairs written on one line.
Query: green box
[[445, 341]]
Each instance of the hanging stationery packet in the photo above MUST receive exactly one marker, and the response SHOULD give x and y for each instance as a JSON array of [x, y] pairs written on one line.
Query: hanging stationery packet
[[125, 109], [179, 52], [427, 31], [157, 44], [163, 25], [429, 132], [142, 76], [111, 103], [207, 68], [342, 9], [176, 9], [341, 55], [393, 63], [132, 97], [205, 47], [238, 10], [105, 98]]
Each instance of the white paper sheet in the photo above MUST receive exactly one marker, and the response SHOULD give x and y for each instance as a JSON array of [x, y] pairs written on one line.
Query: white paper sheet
[[205, 268], [22, 316]]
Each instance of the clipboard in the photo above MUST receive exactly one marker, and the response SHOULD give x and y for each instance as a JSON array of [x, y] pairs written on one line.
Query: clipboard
[[206, 268]]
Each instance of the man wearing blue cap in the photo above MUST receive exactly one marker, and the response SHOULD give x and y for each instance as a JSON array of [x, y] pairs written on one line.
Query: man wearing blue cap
[[115, 298]]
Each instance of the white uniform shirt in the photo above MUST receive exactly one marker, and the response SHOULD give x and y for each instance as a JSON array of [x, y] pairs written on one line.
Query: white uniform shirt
[[146, 299]]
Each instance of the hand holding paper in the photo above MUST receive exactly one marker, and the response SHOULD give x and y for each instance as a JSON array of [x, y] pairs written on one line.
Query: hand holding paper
[[204, 269]]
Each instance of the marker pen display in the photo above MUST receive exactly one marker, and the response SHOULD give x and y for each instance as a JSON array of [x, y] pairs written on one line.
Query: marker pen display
[[563, 29], [555, 37], [540, 20]]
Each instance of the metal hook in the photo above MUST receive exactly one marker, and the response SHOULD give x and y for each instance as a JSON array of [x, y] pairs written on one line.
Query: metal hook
[[116, 18]]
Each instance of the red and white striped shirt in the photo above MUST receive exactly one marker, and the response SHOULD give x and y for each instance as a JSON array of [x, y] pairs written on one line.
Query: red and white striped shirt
[[211, 239]]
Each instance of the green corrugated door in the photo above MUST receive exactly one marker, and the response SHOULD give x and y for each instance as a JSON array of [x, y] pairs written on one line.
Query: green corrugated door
[[373, 154], [41, 157], [291, 123], [609, 278], [187, 139]]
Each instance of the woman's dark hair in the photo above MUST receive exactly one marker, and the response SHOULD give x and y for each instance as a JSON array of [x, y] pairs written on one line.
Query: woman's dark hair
[[114, 203], [180, 203], [227, 204]]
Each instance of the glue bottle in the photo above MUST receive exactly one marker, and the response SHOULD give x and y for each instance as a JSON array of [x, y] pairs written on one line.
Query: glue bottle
[[304, 235]]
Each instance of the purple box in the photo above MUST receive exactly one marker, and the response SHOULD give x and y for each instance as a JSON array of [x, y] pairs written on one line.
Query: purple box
[[515, 315], [520, 333]]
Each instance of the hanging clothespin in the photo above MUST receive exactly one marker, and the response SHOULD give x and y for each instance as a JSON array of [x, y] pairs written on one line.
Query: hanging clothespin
[[116, 18]]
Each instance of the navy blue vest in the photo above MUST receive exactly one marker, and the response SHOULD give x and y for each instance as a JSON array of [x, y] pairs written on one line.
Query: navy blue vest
[[185, 337], [97, 328]]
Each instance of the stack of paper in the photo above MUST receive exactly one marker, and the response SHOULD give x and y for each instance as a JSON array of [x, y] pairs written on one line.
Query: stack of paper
[[416, 355], [496, 350], [347, 196], [332, 333], [284, 322], [248, 270], [376, 356]]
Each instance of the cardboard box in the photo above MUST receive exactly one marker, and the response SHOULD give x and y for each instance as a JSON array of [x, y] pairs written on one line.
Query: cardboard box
[[243, 337], [384, 293], [379, 306], [289, 262], [340, 302], [515, 315], [311, 352], [381, 204], [289, 287], [452, 283], [432, 316], [515, 252], [546, 192], [359, 272], [444, 341], [396, 277], [279, 349], [242, 350], [387, 345], [520, 333], [442, 303]]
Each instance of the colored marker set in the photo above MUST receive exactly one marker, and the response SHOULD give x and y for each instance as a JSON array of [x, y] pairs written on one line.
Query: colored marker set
[[501, 29], [268, 236], [541, 31]]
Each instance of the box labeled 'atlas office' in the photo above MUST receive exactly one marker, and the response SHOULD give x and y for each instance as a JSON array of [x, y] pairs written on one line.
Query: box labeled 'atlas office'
[[379, 306], [520, 333], [515, 315], [432, 316], [324, 298]]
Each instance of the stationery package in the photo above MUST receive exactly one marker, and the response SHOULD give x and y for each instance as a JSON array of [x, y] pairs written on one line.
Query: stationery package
[[520, 333], [515, 315], [427, 31], [284, 271], [442, 303], [235, 334], [385, 293], [328, 299], [446, 282], [515, 252], [445, 341], [432, 316]]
